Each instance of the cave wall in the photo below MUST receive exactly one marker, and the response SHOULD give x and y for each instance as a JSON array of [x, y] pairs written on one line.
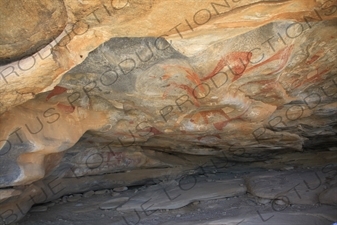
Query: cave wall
[[94, 89]]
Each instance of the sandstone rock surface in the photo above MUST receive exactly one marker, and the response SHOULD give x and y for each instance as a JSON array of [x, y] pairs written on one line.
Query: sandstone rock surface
[[97, 95], [28, 26]]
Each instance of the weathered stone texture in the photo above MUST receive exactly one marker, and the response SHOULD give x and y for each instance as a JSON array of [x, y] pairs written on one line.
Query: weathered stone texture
[[28, 26], [165, 87]]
